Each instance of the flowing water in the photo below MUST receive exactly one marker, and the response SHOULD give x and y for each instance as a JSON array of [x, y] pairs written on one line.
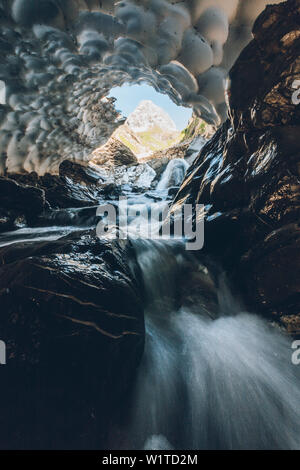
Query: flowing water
[[212, 376], [221, 381], [174, 174]]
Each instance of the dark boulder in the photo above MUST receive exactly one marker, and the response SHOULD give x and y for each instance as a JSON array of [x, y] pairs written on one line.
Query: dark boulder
[[63, 192], [248, 175], [80, 173], [19, 200], [72, 321], [76, 185]]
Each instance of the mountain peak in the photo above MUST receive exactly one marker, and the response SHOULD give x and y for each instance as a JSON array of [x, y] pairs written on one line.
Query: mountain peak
[[148, 115]]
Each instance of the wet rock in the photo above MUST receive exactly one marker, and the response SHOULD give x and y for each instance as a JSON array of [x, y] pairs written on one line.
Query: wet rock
[[113, 153], [21, 197], [138, 177], [7, 219], [111, 190], [118, 166], [80, 173], [63, 192], [19, 200], [264, 74], [85, 185], [247, 175], [173, 191], [72, 320], [273, 269], [77, 185]]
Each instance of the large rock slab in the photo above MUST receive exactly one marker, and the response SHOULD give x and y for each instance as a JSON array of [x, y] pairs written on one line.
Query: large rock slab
[[72, 320]]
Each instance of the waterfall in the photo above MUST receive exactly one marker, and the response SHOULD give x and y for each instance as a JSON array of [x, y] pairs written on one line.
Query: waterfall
[[209, 381], [173, 174]]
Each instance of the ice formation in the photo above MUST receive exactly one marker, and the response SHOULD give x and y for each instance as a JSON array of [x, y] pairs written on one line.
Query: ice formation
[[59, 59]]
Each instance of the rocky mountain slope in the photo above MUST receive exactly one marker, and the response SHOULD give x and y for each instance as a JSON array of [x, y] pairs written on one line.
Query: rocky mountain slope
[[148, 116], [148, 129]]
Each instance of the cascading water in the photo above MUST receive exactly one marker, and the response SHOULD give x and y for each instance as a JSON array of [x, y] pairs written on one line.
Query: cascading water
[[219, 379], [173, 174]]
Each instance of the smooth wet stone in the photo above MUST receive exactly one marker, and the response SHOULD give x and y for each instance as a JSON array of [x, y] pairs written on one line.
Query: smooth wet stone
[[63, 192], [17, 200], [80, 173], [72, 320]]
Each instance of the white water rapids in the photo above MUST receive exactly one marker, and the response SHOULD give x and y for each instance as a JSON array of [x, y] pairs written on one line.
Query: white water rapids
[[210, 383]]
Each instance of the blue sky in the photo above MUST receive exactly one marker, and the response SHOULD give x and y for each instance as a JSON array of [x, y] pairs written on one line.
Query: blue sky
[[129, 96]]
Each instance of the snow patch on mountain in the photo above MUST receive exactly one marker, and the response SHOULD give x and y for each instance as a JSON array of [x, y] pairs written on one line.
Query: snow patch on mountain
[[147, 116]]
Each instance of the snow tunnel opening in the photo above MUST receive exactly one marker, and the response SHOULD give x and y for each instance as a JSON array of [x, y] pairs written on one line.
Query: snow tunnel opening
[[62, 58], [153, 121], [155, 129]]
